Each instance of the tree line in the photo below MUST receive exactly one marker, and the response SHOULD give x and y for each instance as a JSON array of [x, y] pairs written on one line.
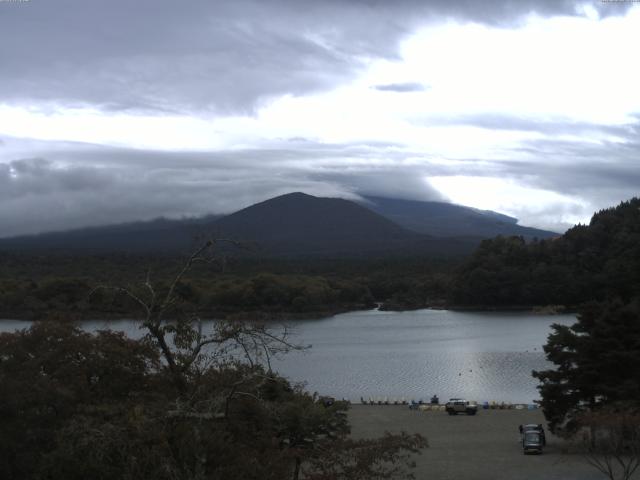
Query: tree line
[[589, 262], [33, 287], [592, 393], [180, 403]]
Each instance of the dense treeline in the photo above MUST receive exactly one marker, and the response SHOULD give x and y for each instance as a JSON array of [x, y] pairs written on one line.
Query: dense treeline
[[183, 402], [32, 287], [82, 297], [589, 262], [594, 387]]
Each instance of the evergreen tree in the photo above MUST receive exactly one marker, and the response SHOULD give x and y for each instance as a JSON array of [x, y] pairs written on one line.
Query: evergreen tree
[[589, 262], [597, 363]]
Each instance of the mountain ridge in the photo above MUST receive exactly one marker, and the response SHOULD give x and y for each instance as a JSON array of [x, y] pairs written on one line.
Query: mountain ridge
[[291, 224], [443, 219]]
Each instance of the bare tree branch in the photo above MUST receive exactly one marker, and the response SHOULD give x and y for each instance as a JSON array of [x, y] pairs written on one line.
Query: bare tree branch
[[179, 335], [611, 439]]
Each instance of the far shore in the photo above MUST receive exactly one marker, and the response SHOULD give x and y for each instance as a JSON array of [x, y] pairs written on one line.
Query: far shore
[[267, 316], [539, 309]]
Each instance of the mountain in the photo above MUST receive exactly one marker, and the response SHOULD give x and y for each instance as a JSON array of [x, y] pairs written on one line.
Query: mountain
[[159, 235], [295, 224], [441, 219], [298, 224]]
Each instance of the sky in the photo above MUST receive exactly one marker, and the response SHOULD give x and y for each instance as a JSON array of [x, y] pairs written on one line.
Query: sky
[[115, 111]]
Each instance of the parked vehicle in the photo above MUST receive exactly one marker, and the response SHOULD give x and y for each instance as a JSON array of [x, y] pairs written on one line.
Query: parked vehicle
[[532, 442], [533, 427], [327, 401], [459, 405]]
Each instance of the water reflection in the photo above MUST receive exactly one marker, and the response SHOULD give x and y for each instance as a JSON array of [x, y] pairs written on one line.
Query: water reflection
[[480, 356]]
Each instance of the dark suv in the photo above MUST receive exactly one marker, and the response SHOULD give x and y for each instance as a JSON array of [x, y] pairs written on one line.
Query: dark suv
[[533, 438], [533, 427]]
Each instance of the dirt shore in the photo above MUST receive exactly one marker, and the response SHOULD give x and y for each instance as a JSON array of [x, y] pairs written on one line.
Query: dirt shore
[[484, 446]]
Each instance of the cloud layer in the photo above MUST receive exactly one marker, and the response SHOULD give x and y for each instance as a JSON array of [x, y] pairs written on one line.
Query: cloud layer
[[119, 111], [222, 56], [79, 185]]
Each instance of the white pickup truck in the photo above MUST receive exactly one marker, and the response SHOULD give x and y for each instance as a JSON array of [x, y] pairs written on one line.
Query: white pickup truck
[[459, 405]]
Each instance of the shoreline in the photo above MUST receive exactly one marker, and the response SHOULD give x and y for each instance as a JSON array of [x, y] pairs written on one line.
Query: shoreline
[[272, 316]]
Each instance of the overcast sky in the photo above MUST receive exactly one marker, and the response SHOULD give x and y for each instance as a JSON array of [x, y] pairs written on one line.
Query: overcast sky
[[118, 110]]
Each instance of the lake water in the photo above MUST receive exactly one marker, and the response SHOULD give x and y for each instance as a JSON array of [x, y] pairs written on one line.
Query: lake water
[[480, 356]]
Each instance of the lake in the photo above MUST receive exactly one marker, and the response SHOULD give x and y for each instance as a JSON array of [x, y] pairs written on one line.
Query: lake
[[475, 355]]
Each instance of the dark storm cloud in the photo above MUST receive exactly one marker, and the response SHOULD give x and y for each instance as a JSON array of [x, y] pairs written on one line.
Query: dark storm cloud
[[226, 55], [61, 192], [39, 195], [167, 55], [603, 170]]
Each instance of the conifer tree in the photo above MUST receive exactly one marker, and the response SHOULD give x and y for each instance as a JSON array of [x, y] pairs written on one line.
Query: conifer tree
[[597, 363]]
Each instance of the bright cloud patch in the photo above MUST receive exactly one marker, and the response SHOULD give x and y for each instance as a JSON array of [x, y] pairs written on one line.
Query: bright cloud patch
[[530, 205]]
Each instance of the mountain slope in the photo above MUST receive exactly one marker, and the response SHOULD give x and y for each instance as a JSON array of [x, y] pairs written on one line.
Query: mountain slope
[[160, 235], [448, 220], [297, 223]]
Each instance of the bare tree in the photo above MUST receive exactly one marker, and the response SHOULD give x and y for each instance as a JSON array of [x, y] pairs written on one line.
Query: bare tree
[[178, 332], [611, 441], [224, 380]]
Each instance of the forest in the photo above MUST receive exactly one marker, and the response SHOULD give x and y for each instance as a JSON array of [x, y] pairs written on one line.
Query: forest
[[589, 262], [35, 286]]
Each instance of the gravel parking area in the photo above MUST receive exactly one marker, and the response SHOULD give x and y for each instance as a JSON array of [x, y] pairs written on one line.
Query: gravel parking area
[[484, 446]]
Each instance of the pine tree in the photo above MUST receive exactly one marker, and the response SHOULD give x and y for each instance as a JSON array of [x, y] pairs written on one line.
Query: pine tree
[[597, 363]]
